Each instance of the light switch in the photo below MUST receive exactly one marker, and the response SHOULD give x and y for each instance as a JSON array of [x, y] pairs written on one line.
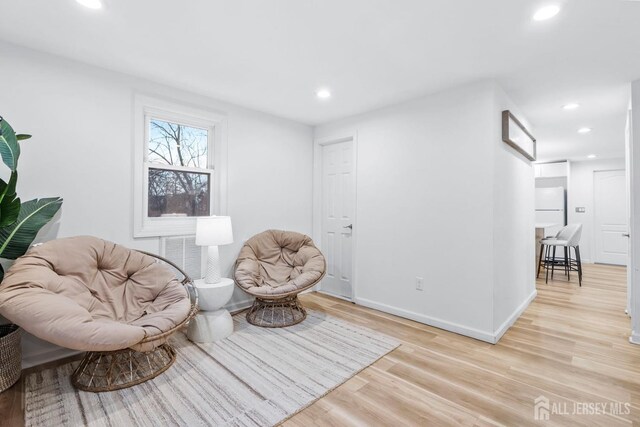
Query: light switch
[[580, 210]]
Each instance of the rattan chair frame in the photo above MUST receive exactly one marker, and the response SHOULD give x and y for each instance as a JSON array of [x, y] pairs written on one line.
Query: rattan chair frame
[[276, 313], [101, 371], [264, 305]]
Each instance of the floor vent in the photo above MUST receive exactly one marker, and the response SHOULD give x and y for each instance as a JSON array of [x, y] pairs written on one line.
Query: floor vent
[[182, 250]]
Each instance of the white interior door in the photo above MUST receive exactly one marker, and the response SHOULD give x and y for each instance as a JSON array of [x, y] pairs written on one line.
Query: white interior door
[[338, 206], [611, 221]]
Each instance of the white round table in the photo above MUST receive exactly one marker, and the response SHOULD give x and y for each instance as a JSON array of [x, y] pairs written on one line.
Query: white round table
[[212, 323]]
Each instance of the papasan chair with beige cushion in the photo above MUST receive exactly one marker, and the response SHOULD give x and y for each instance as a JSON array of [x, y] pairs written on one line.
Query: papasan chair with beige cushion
[[274, 267], [117, 304]]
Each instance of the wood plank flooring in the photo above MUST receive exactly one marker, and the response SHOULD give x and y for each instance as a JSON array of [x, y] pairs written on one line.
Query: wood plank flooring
[[571, 346]]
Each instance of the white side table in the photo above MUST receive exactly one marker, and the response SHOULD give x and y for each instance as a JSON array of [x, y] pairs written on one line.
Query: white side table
[[212, 323]]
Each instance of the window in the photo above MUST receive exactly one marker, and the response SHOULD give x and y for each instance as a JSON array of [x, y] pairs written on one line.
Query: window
[[178, 167], [178, 173]]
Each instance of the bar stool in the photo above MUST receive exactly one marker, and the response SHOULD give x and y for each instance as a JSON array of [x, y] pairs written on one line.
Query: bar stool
[[544, 247], [567, 238]]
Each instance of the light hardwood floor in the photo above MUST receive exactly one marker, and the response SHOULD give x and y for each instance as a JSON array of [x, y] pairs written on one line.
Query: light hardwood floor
[[570, 346]]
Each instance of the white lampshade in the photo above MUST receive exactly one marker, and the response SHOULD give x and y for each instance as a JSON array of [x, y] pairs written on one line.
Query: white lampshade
[[213, 231]]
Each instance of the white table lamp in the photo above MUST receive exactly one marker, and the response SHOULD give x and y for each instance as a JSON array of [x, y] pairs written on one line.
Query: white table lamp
[[213, 231]]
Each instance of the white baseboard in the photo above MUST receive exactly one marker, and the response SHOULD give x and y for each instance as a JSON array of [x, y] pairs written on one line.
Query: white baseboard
[[320, 291], [450, 326], [514, 316], [56, 353], [311, 289], [239, 305], [428, 320], [634, 338]]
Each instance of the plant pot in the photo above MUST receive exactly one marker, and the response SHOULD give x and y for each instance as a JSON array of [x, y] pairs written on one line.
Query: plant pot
[[10, 355]]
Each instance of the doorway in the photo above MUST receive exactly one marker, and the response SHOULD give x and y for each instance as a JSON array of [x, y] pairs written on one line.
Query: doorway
[[335, 212], [610, 217]]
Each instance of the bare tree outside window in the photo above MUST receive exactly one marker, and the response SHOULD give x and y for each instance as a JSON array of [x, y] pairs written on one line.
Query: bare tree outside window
[[174, 191]]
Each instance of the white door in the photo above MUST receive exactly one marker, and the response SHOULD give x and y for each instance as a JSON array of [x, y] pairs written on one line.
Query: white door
[[611, 224], [338, 206]]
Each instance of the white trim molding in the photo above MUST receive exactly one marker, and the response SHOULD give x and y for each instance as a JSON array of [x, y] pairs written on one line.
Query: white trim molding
[[318, 143], [633, 159], [31, 360], [428, 320], [235, 307], [53, 352], [514, 316], [216, 123], [36, 352], [320, 291], [490, 337]]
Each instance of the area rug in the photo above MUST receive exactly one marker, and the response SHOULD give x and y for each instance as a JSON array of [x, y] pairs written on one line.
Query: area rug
[[255, 377]]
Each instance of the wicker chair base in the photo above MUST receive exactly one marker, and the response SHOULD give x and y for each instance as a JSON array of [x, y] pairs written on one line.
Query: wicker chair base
[[276, 313], [115, 370]]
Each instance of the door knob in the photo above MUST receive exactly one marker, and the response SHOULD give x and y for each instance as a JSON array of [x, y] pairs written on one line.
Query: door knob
[[350, 226], [625, 234]]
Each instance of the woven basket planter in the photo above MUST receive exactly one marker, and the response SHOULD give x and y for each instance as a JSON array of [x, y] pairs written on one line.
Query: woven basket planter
[[10, 356]]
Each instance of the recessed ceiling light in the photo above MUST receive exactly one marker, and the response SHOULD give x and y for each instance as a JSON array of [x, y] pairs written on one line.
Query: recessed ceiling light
[[584, 130], [91, 4], [571, 106], [323, 93], [591, 156], [546, 12]]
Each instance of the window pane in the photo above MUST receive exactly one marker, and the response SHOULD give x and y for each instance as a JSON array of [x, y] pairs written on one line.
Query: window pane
[[176, 193], [177, 145]]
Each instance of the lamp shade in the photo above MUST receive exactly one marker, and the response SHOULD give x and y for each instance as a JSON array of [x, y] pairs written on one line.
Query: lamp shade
[[213, 231]]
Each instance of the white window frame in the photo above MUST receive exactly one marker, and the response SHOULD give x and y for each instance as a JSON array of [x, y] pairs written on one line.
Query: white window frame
[[146, 108]]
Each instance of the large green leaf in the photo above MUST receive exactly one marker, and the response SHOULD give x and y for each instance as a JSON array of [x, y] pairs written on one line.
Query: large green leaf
[[9, 147], [9, 202], [34, 214]]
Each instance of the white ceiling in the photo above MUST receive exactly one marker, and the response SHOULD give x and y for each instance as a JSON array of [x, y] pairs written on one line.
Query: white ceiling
[[272, 55]]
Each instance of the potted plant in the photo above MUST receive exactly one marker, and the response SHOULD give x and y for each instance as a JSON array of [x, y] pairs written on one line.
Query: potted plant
[[19, 225]]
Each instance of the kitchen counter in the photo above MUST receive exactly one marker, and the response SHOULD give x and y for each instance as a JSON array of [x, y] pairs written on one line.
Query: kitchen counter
[[547, 225]]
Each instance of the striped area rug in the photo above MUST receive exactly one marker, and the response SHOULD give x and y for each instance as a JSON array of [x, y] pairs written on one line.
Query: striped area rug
[[255, 377]]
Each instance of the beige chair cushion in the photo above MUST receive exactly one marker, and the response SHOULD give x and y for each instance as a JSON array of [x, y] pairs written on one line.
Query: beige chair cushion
[[87, 294], [278, 262]]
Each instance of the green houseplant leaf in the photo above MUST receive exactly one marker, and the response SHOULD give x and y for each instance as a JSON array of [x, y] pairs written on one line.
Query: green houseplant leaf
[[9, 202], [9, 147], [19, 222], [34, 214]]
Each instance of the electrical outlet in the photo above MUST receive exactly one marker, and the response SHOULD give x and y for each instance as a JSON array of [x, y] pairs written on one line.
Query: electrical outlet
[[419, 283]]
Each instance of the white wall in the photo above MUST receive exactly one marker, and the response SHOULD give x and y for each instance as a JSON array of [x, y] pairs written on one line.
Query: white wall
[[580, 194], [435, 184], [425, 207], [81, 119], [513, 222]]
